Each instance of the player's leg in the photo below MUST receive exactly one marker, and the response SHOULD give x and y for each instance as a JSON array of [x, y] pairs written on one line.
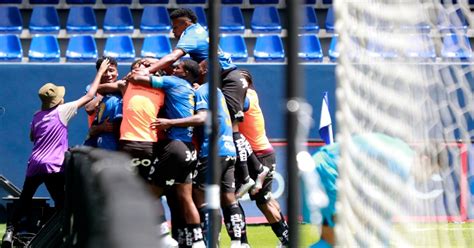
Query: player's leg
[[55, 186]]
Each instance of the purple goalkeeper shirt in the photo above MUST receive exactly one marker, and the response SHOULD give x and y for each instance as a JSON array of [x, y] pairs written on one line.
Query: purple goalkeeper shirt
[[50, 142]]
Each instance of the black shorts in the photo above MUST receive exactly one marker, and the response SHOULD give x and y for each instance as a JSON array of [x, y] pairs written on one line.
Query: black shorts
[[176, 162], [234, 87], [265, 194], [227, 175], [143, 156]]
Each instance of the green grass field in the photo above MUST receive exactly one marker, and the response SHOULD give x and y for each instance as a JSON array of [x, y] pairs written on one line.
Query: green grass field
[[423, 235]]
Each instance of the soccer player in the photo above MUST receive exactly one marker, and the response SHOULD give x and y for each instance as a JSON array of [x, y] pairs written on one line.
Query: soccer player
[[327, 161], [253, 128], [176, 154], [50, 137], [227, 155], [193, 39], [105, 129]]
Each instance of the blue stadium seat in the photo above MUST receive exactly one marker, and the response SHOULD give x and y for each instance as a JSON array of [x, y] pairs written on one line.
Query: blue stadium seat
[[118, 19], [452, 20], [155, 19], [10, 1], [117, 1], [190, 1], [327, 1], [120, 47], [232, 19], [330, 21], [264, 1], [44, 1], [235, 46], [269, 48], [81, 48], [310, 48], [310, 2], [309, 22], [232, 1], [10, 48], [11, 21], [81, 19], [422, 47], [376, 49], [333, 52], [44, 48], [80, 1], [200, 13], [156, 46], [265, 19], [154, 1], [457, 47], [44, 19]]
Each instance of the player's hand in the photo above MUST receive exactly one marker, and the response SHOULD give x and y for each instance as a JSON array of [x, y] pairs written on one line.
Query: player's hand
[[104, 66], [148, 61], [160, 124]]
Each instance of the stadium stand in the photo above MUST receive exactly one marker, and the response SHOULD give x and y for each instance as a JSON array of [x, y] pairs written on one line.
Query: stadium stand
[[309, 22], [118, 19], [235, 46], [155, 19], [44, 1], [190, 1], [10, 48], [200, 13], [81, 19], [310, 48], [264, 1], [44, 19], [330, 21], [10, 1], [310, 2], [117, 1], [269, 48], [80, 1], [266, 19], [232, 1], [456, 46], [11, 21], [452, 20], [333, 52], [379, 50], [422, 47], [156, 46], [120, 47], [44, 49], [232, 19], [81, 48]]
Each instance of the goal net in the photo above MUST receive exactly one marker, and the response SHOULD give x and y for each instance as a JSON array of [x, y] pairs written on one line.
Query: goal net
[[404, 72]]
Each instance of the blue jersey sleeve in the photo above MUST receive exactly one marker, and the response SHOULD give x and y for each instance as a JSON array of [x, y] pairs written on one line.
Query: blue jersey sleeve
[[118, 110], [164, 82], [188, 42], [201, 98]]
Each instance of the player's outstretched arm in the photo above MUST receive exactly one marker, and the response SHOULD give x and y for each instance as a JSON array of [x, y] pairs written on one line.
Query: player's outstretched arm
[[135, 78], [196, 120], [95, 84], [166, 61]]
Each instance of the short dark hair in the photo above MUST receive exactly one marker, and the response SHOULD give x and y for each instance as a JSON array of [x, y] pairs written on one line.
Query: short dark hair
[[112, 61], [136, 62], [184, 12], [192, 67], [248, 77]]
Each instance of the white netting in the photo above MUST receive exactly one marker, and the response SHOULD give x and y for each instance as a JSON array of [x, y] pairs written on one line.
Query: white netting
[[402, 73]]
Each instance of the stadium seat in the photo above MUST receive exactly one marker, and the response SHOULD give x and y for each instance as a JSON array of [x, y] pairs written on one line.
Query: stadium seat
[[265, 19], [81, 19], [309, 22], [10, 48], [232, 19], [118, 19], [269, 48], [330, 21], [310, 48], [422, 47], [44, 48], [452, 20], [327, 1], [333, 52], [156, 46], [310, 2], [44, 19], [200, 13], [190, 1], [117, 2], [11, 21], [10, 1], [81, 48], [232, 1], [154, 1], [376, 49], [44, 1], [235, 46], [264, 1], [80, 1], [457, 47], [120, 47], [155, 19]]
